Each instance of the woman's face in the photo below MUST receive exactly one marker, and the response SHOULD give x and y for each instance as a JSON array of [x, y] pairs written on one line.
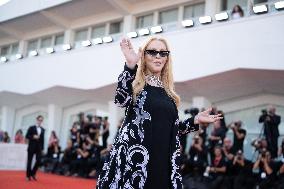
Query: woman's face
[[217, 152], [155, 63], [236, 9]]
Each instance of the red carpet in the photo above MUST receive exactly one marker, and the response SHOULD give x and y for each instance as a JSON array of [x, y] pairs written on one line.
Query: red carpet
[[16, 180]]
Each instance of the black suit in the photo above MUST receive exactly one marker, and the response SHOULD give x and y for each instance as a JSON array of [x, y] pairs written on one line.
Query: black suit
[[35, 147]]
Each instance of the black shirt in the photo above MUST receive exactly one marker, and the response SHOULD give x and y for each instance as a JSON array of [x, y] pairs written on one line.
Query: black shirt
[[239, 143]]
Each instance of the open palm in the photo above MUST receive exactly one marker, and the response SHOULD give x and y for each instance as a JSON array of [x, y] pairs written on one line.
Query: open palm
[[129, 53], [205, 117]]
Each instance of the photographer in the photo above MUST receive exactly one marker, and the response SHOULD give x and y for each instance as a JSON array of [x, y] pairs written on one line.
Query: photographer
[[197, 157], [203, 132], [78, 166], [271, 122], [266, 170], [217, 170], [68, 156], [259, 144], [239, 136], [75, 134], [216, 138], [242, 172], [281, 150], [228, 150], [51, 160], [280, 182]]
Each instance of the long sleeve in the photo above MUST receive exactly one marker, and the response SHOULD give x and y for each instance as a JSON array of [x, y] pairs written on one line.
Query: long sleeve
[[29, 134], [188, 126], [123, 95]]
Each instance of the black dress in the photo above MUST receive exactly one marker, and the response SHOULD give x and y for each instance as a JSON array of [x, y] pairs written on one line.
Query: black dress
[[146, 151], [162, 110]]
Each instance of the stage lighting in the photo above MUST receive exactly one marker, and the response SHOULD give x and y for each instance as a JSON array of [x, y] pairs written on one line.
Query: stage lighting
[[132, 34], [49, 50], [187, 23], [97, 41], [279, 5], [156, 29], [86, 43], [205, 19], [107, 39], [19, 56], [221, 16], [144, 31], [3, 59], [258, 9], [66, 47], [33, 53]]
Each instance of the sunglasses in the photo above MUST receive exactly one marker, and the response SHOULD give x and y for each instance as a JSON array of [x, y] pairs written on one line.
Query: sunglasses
[[155, 53]]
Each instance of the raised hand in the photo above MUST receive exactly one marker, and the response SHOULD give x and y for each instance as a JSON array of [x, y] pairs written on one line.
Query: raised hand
[[130, 55], [205, 117]]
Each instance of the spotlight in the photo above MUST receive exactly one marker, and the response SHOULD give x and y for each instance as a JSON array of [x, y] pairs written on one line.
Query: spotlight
[[258, 9], [221, 16], [49, 50], [205, 19], [3, 59], [187, 23], [86, 43], [33, 53], [19, 56], [279, 5], [132, 34], [66, 47], [144, 31], [97, 41], [107, 39], [156, 29]]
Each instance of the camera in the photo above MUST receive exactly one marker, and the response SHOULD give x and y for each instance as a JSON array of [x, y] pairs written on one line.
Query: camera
[[192, 111], [263, 153], [239, 155], [264, 112]]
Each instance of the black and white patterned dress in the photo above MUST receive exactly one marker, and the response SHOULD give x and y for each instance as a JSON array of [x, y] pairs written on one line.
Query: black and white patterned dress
[[146, 152]]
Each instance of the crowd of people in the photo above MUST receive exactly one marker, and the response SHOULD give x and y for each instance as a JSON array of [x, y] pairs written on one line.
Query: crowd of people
[[214, 161], [19, 137], [84, 154]]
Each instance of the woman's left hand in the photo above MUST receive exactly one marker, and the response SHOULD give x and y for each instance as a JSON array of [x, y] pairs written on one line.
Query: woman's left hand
[[205, 117]]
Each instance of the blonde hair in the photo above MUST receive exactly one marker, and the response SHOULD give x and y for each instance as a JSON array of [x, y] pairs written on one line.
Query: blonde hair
[[166, 74]]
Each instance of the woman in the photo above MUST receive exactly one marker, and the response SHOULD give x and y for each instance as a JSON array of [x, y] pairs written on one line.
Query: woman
[[146, 152], [237, 12], [6, 138], [19, 137], [52, 139]]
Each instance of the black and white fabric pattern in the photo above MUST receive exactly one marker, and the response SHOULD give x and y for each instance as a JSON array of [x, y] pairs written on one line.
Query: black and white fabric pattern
[[126, 167]]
